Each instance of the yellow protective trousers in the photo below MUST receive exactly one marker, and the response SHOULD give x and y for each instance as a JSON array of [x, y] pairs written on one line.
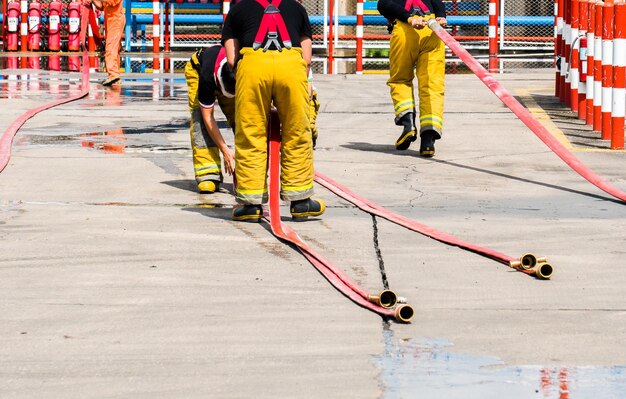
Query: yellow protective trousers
[[265, 79], [207, 163], [114, 22], [422, 50]]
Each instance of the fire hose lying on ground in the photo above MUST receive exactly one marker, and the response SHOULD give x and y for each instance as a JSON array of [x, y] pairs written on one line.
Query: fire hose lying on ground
[[381, 303], [6, 140], [386, 302]]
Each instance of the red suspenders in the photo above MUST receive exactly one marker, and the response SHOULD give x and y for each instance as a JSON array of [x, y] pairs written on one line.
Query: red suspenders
[[271, 21]]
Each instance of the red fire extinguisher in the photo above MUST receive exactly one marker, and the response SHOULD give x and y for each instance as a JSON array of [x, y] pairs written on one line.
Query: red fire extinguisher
[[54, 62], [13, 23], [34, 19], [54, 26], [583, 60], [73, 37]]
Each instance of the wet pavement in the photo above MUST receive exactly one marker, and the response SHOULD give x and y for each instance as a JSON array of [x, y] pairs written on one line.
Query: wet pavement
[[117, 279]]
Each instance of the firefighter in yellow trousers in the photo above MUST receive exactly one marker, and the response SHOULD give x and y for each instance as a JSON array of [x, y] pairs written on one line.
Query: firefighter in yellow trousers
[[210, 81], [414, 45], [269, 46]]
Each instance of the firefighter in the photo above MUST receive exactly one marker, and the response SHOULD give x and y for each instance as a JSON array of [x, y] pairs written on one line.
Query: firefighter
[[114, 22], [414, 45], [210, 80], [269, 46]]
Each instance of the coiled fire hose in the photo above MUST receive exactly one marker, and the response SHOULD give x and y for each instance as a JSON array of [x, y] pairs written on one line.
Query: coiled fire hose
[[518, 109], [6, 140], [380, 303]]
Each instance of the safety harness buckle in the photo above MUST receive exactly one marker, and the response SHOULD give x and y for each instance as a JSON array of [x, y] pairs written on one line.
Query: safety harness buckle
[[272, 37], [417, 11]]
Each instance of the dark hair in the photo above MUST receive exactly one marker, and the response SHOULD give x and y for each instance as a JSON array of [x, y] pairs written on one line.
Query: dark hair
[[228, 78]]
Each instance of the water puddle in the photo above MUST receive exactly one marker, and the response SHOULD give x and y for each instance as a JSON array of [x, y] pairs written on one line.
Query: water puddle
[[427, 369]]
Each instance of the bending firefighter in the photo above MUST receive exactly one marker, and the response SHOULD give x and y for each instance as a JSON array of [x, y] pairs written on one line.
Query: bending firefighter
[[114, 22], [210, 80], [270, 43], [415, 46]]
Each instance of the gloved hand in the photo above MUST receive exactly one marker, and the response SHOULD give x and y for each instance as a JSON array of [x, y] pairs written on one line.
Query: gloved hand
[[314, 108]]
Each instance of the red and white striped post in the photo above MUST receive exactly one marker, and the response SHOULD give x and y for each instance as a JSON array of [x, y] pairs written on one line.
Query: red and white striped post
[[225, 9], [156, 35], [582, 51], [24, 32], [567, 48], [597, 69], [619, 77], [359, 37], [607, 68], [493, 35], [558, 28], [574, 76], [590, 63], [331, 35], [24, 25]]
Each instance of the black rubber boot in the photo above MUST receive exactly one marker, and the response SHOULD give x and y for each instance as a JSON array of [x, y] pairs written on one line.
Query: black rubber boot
[[248, 213], [302, 209], [427, 146], [409, 134]]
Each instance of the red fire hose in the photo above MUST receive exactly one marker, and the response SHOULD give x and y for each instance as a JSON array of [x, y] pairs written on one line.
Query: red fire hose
[[6, 140], [537, 267], [332, 273], [525, 116]]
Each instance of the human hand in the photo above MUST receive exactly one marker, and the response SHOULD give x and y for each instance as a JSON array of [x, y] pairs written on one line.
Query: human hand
[[441, 21], [86, 3], [229, 161], [417, 22]]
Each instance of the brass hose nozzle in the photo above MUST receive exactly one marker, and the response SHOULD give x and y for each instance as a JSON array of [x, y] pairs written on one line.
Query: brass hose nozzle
[[528, 261], [386, 299], [404, 313], [544, 270]]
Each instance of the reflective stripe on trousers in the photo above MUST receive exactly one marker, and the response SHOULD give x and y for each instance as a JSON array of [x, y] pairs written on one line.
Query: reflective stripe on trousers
[[207, 162], [263, 77], [420, 49]]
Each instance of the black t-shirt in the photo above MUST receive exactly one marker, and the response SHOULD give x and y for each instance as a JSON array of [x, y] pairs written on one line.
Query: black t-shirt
[[244, 19], [394, 9], [207, 86]]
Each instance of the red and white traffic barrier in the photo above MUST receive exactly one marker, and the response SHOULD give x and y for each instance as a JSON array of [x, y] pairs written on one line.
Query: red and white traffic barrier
[[493, 36], [156, 35], [597, 69], [225, 9], [590, 61], [359, 37], [24, 26], [566, 85], [575, 57], [607, 68], [558, 28], [618, 111], [582, 52]]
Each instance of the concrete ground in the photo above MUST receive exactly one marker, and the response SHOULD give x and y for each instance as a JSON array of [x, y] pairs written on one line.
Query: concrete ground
[[117, 279]]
